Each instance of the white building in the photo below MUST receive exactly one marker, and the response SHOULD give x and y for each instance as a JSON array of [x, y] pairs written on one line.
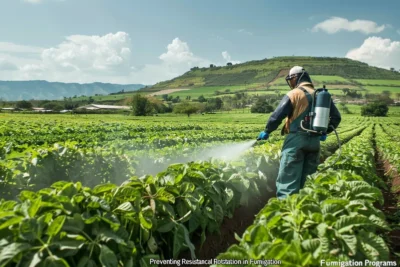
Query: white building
[[104, 107]]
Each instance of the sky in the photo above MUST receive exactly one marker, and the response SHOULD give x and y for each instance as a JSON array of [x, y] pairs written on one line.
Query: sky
[[148, 41]]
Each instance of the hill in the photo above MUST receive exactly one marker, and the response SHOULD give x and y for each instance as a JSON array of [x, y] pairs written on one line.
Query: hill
[[264, 73], [19, 90]]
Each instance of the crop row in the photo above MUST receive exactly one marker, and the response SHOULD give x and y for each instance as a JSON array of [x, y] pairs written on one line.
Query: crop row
[[332, 218], [388, 140], [36, 168], [145, 218]]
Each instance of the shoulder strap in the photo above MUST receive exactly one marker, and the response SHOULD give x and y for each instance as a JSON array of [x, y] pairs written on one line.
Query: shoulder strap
[[308, 95]]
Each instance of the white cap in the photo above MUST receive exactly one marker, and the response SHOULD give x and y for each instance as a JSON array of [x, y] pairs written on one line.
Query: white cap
[[296, 70]]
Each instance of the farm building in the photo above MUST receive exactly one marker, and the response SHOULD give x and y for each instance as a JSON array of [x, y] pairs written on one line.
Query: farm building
[[104, 107]]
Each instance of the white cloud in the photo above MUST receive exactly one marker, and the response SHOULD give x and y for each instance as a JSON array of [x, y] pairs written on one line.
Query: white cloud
[[85, 59], [108, 53], [377, 51], [177, 60], [178, 52], [245, 32], [228, 58], [6, 65], [336, 24]]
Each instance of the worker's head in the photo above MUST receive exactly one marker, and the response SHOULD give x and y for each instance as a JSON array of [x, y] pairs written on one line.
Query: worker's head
[[296, 76]]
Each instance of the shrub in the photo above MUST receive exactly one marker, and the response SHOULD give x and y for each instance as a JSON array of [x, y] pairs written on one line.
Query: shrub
[[376, 109]]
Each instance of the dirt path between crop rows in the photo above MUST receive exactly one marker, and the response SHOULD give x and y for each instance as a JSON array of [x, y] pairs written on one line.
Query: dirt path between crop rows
[[243, 217], [217, 243], [391, 200]]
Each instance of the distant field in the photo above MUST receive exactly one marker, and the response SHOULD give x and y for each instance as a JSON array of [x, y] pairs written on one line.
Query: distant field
[[379, 82], [207, 91], [168, 91], [316, 79], [379, 89], [324, 78], [104, 97]]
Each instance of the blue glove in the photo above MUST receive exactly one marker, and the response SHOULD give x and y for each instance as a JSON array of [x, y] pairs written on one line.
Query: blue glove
[[263, 136], [323, 137]]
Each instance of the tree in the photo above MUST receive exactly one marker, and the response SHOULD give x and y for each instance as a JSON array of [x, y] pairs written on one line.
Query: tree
[[261, 106], [376, 109], [165, 97], [187, 108], [391, 69], [23, 104], [212, 66], [157, 104], [53, 106], [177, 99], [90, 100], [202, 99], [229, 64], [141, 106], [218, 103]]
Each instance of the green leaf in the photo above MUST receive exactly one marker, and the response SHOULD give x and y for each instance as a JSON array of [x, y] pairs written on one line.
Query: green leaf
[[373, 246], [74, 225], [165, 225], [11, 221], [178, 241], [83, 261], [9, 252], [34, 207], [273, 221], [54, 261], [218, 213], [145, 220], [351, 243], [56, 225], [106, 235], [346, 223], [97, 202], [181, 237], [152, 244], [101, 188], [107, 257], [28, 229], [126, 206], [311, 244], [165, 196], [36, 259]]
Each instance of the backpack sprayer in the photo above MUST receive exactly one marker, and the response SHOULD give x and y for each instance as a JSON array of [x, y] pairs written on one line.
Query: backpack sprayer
[[318, 117]]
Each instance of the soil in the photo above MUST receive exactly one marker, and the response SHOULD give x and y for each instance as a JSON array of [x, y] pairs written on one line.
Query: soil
[[167, 91], [391, 202], [242, 218]]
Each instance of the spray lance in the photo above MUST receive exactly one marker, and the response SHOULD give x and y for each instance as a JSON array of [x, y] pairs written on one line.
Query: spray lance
[[318, 118]]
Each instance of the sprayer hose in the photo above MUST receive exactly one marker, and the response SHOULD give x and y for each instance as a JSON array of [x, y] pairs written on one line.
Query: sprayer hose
[[340, 152]]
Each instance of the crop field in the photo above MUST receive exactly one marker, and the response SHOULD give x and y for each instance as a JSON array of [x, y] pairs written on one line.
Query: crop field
[[379, 89], [114, 190]]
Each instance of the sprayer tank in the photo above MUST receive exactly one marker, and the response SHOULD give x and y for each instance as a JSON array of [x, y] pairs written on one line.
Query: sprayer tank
[[322, 109]]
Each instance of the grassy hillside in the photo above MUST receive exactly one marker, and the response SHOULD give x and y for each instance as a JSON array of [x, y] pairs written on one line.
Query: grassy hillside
[[266, 76], [265, 71]]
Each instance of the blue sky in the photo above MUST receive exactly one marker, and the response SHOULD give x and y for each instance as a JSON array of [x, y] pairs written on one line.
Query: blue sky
[[129, 41]]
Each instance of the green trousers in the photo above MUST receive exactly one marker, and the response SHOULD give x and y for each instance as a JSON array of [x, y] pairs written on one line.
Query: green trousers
[[299, 158]]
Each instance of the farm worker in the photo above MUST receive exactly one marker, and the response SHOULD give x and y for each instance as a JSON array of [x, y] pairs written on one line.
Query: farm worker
[[300, 151]]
